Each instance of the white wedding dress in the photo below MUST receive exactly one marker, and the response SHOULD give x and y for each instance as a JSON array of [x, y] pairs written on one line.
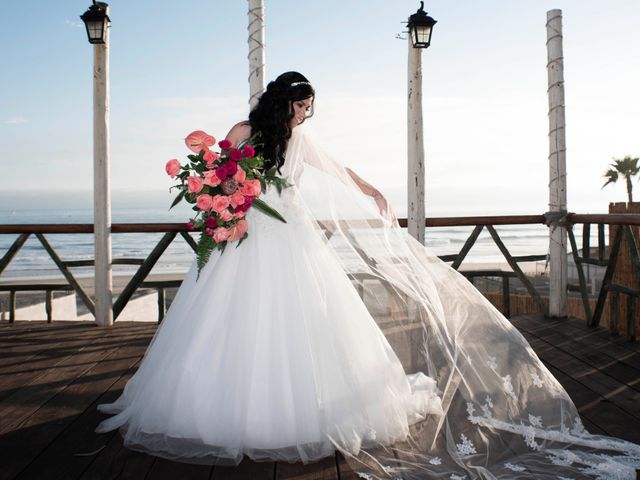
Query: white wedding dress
[[273, 353], [270, 353]]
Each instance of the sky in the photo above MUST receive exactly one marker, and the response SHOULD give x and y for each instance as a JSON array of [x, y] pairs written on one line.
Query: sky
[[176, 67]]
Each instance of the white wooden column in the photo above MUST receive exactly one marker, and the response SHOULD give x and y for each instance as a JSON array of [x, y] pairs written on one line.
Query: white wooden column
[[256, 50], [415, 146], [557, 166], [101, 196]]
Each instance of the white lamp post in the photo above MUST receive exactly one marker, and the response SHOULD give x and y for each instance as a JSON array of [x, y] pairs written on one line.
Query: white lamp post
[[256, 50], [557, 167], [97, 20], [420, 28]]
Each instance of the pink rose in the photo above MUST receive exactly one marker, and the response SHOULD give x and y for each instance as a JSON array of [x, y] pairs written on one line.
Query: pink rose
[[194, 184], [221, 173], [219, 203], [240, 175], [211, 222], [220, 234], [225, 144], [210, 178], [210, 157], [204, 202], [236, 199], [248, 151], [250, 187], [237, 231], [172, 167], [226, 215], [231, 168], [235, 155], [199, 140], [240, 214]]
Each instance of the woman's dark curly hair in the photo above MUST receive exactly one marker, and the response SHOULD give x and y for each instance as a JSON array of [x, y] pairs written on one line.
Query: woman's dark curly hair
[[270, 118]]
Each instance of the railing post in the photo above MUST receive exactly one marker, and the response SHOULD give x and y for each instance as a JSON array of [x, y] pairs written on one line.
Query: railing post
[[557, 166]]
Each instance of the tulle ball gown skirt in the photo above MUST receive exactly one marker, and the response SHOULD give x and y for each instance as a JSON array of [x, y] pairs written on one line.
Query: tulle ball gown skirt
[[270, 353]]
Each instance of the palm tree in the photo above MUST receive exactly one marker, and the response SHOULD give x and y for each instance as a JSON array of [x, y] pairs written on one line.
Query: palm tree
[[627, 168]]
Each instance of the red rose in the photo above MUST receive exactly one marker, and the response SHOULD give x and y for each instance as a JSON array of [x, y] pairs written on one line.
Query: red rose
[[248, 151], [231, 168], [190, 226], [225, 144], [235, 155], [248, 200], [221, 173], [211, 222], [209, 232]]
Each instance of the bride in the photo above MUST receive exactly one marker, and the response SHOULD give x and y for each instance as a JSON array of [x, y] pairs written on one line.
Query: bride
[[339, 331]]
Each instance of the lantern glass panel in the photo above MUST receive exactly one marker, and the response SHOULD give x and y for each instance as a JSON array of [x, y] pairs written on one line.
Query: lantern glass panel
[[95, 29], [421, 35]]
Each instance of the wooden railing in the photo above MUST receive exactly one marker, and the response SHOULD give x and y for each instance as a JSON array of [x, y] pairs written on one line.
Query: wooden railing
[[172, 230]]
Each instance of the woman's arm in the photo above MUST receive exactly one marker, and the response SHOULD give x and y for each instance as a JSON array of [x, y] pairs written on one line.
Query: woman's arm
[[239, 133], [370, 190]]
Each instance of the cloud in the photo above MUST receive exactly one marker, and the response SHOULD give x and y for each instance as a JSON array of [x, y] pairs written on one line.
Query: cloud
[[74, 23], [16, 120]]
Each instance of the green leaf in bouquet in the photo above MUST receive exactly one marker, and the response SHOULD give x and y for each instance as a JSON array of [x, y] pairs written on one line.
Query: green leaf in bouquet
[[246, 234], [203, 251], [193, 158], [195, 208], [177, 199], [267, 210]]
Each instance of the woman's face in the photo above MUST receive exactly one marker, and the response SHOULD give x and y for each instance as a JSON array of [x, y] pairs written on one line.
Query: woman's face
[[301, 109]]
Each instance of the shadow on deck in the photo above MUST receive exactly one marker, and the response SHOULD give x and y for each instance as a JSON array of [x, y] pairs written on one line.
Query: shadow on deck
[[53, 375]]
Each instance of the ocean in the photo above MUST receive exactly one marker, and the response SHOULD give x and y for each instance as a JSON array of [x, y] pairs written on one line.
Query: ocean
[[33, 260]]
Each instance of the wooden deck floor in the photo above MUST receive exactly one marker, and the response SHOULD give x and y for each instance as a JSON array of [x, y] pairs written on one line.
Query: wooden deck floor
[[52, 376]]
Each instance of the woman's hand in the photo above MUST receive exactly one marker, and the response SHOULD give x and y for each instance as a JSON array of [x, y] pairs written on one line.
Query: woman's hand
[[384, 206]]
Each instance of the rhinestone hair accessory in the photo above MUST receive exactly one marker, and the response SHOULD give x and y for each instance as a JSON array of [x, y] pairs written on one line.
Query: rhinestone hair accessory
[[294, 84]]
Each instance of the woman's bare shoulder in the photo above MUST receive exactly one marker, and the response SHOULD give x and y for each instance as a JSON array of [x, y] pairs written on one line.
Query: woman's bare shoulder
[[239, 132]]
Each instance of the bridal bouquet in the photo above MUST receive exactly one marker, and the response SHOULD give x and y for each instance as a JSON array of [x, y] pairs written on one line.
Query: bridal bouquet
[[222, 186]]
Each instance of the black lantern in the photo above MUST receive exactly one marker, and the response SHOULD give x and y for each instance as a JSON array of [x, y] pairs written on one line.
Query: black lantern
[[96, 20], [420, 28]]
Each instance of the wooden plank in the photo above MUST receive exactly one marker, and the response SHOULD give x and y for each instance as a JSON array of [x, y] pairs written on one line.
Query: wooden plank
[[625, 371], [12, 251], [34, 393], [516, 268], [142, 272], [24, 368], [77, 446], [598, 416], [245, 470], [324, 469], [345, 472], [42, 428], [164, 469], [606, 387], [86, 299]]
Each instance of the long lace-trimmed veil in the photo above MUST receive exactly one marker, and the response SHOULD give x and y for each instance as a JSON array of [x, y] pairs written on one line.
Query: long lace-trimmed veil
[[505, 415]]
